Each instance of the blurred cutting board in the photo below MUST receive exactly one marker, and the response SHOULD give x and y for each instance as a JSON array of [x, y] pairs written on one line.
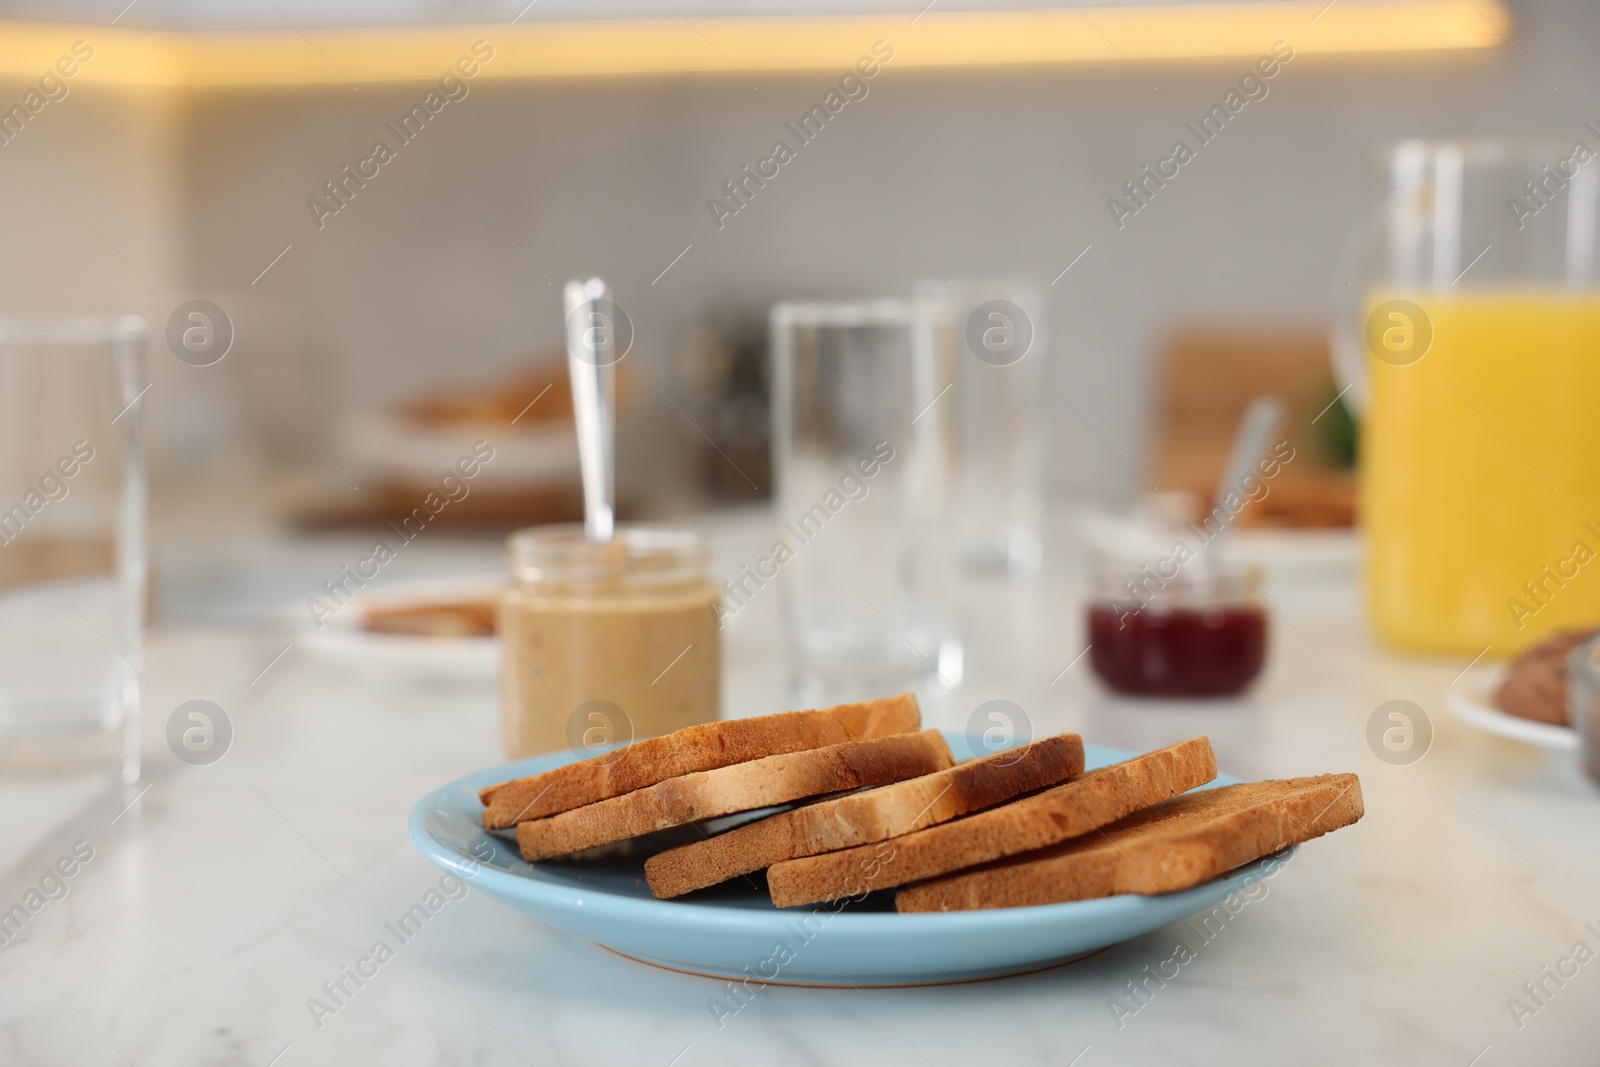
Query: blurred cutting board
[[1206, 377]]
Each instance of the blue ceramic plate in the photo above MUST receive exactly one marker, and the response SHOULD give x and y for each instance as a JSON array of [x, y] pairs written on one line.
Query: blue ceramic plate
[[733, 931]]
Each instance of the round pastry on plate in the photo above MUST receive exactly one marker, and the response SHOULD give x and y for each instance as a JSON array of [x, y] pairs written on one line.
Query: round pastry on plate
[[1536, 681], [1525, 700]]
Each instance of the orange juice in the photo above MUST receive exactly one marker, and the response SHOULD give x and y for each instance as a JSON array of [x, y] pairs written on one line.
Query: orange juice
[[1480, 467]]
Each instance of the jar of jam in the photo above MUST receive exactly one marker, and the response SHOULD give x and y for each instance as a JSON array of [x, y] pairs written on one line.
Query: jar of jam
[[1193, 628], [604, 643]]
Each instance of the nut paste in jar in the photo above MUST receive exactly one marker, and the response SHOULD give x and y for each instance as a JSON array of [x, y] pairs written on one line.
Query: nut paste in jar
[[607, 642]]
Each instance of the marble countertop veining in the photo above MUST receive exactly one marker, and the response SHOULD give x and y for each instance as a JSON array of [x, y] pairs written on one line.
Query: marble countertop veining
[[214, 913]]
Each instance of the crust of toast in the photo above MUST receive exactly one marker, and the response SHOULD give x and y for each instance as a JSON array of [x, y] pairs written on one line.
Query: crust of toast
[[690, 750], [873, 815], [1173, 845], [727, 790], [1101, 796]]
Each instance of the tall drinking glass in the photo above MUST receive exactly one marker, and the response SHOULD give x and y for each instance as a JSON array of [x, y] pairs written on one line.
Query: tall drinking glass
[[72, 546], [859, 447], [1471, 334], [993, 340]]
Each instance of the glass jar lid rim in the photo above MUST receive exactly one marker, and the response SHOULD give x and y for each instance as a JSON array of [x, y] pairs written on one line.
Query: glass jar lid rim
[[639, 550]]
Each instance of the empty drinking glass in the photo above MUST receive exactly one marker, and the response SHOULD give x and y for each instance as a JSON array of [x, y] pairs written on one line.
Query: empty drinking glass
[[992, 340], [859, 446], [72, 546]]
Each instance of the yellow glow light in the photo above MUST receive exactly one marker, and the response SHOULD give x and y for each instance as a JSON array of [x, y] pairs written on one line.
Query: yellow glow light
[[636, 47]]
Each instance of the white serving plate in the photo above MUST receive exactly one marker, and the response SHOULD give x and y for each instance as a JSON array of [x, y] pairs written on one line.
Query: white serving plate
[[343, 637], [1472, 701]]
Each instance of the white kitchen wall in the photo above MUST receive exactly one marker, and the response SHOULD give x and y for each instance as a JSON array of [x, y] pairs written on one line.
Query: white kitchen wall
[[969, 174]]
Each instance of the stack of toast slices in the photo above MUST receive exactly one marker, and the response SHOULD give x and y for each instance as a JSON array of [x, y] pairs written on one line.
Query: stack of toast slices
[[871, 802]]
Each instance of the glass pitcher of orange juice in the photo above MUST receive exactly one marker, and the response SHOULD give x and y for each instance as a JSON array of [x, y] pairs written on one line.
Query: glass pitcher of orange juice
[[1472, 339]]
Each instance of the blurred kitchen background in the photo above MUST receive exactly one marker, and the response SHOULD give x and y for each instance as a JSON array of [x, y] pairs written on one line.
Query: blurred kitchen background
[[436, 290]]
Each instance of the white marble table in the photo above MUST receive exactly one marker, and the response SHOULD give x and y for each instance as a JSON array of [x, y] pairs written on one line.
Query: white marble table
[[220, 900]]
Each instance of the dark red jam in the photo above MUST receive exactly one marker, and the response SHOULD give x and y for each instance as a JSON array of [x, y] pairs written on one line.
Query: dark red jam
[[1177, 652]]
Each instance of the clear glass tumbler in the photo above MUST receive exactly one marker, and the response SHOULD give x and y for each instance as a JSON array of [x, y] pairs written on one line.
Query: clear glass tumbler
[[860, 441], [993, 341], [73, 493]]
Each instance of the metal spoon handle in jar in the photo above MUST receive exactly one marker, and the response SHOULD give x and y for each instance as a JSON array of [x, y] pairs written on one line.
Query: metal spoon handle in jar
[[591, 365], [1259, 422]]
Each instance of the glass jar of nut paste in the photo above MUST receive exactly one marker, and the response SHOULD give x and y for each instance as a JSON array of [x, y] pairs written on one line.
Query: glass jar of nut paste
[[607, 643]]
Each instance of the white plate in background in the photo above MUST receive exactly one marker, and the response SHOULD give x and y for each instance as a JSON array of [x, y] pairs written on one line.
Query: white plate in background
[[1472, 701], [343, 636], [1120, 534], [386, 446]]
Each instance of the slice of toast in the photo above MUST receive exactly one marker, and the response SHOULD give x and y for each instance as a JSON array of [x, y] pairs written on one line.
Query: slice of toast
[[756, 784], [1101, 796], [888, 811], [692, 749], [1173, 845]]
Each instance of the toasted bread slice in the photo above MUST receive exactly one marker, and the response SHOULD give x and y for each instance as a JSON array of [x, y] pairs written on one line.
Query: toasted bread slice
[[757, 784], [1094, 799], [874, 815], [1173, 845], [692, 749]]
